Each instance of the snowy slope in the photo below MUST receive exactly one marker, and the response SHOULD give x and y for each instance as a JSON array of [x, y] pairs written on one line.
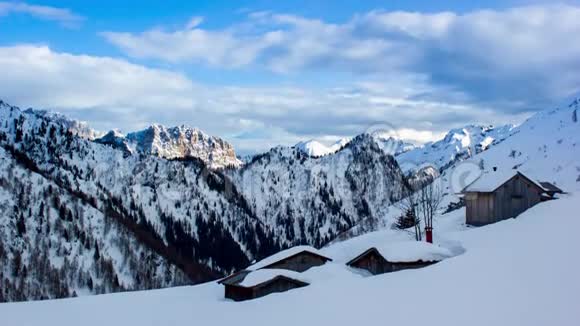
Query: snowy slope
[[54, 243], [523, 271], [545, 147]]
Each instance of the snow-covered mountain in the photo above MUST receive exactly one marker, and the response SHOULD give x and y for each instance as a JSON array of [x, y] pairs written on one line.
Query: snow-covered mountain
[[457, 145], [81, 217], [78, 128], [393, 146], [96, 210], [317, 198], [388, 144], [316, 149], [175, 143], [546, 146], [94, 214]]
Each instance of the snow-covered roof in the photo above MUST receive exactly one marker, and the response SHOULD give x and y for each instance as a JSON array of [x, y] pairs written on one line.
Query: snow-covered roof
[[283, 255], [264, 275], [492, 180], [550, 187], [410, 251]]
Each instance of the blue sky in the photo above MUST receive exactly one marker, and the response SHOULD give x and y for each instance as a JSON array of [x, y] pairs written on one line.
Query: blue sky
[[262, 73]]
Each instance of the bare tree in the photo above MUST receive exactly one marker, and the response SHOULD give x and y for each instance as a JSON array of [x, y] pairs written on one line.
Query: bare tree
[[430, 196], [409, 206]]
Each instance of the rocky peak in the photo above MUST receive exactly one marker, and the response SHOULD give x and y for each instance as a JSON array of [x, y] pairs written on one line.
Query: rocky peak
[[175, 143]]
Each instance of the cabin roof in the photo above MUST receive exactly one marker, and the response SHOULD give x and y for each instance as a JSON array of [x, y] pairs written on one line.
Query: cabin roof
[[287, 254], [407, 252], [264, 275], [235, 278], [491, 181], [248, 279], [239, 276], [550, 187]]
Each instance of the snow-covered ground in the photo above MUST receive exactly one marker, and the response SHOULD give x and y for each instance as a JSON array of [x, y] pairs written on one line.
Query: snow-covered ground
[[520, 271]]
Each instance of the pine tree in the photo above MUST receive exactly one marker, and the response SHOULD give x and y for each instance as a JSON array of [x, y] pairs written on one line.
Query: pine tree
[[97, 254], [90, 283], [21, 226]]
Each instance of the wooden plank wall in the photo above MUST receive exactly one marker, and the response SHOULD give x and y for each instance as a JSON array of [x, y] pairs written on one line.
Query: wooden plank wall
[[509, 200]]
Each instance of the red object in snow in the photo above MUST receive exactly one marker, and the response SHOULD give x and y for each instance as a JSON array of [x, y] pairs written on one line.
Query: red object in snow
[[429, 234]]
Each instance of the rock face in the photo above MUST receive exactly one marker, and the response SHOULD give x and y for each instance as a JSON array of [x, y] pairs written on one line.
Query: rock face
[[175, 143]]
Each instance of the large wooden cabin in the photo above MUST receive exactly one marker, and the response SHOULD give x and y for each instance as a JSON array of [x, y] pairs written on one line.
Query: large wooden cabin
[[497, 196]]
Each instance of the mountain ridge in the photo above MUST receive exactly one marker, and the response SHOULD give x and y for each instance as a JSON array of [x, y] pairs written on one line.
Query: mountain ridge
[[178, 142]]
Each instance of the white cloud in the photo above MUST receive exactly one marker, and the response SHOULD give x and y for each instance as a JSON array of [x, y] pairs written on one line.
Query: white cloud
[[493, 56], [38, 75], [112, 93], [62, 15], [194, 22], [193, 44]]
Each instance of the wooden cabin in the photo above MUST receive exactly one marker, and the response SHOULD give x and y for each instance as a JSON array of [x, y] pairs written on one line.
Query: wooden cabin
[[299, 262], [396, 257], [497, 196], [284, 270], [240, 288]]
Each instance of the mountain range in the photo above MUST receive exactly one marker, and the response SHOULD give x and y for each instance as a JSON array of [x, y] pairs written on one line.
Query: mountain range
[[84, 213], [81, 214]]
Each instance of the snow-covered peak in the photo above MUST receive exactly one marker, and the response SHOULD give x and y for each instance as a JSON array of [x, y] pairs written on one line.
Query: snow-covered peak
[[340, 143], [175, 143], [387, 143], [76, 127], [313, 148], [458, 144], [316, 149], [393, 146], [474, 136]]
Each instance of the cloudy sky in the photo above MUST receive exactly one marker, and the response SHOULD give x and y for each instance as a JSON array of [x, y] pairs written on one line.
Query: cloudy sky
[[261, 73]]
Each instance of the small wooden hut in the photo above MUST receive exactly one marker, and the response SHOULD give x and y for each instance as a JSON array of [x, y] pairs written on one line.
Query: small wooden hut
[[250, 285], [399, 256], [277, 273], [298, 259], [497, 196]]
